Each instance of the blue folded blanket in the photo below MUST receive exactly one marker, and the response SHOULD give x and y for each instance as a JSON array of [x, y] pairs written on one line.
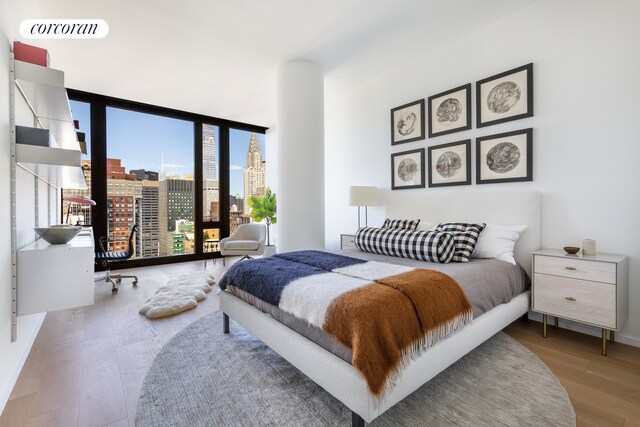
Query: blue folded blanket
[[265, 278]]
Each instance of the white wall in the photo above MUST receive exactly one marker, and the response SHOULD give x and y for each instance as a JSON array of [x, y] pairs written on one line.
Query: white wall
[[13, 355], [586, 138]]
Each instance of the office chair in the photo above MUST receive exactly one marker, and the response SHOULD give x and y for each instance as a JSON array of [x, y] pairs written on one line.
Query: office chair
[[105, 258]]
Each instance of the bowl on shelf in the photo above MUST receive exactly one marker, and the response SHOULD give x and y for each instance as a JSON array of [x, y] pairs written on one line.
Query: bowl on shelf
[[571, 250], [58, 234]]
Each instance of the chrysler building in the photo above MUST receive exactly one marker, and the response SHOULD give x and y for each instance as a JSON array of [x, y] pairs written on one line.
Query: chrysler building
[[254, 173]]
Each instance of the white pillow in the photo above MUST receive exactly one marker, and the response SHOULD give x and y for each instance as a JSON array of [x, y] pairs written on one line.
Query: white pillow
[[426, 226], [497, 241]]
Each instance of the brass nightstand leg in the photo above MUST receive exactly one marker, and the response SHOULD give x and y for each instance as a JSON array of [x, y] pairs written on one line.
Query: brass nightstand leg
[[604, 342], [544, 325], [556, 322], [612, 336]]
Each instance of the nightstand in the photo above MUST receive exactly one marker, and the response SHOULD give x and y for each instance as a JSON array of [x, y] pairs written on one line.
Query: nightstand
[[347, 241], [592, 290]]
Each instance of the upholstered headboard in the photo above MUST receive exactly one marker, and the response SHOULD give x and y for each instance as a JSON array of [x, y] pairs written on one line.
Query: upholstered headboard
[[491, 207]]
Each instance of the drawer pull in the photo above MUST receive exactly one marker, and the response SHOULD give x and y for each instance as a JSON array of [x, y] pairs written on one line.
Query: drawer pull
[[570, 268], [570, 298]]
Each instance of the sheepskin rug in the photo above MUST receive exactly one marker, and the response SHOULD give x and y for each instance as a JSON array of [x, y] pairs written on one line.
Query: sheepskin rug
[[178, 295]]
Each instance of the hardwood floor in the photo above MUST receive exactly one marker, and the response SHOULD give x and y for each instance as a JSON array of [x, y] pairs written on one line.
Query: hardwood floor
[[87, 364], [605, 391]]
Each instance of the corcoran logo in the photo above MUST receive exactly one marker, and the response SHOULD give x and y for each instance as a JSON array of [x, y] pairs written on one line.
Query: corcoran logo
[[64, 29]]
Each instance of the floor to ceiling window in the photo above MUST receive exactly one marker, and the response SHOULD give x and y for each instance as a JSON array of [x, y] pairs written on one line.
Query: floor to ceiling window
[[150, 182], [182, 177], [247, 174], [210, 187]]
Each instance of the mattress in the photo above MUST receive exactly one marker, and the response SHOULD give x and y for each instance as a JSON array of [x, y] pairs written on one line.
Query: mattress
[[486, 282]]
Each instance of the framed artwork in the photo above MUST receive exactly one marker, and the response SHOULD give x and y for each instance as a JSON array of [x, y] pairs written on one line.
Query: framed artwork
[[506, 157], [407, 169], [450, 111], [450, 164], [504, 97], [407, 122]]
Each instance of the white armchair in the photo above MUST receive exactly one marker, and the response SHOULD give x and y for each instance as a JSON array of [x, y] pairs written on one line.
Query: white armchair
[[247, 241]]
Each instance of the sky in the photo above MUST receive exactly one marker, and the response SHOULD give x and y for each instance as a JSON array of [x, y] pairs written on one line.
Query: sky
[[141, 140]]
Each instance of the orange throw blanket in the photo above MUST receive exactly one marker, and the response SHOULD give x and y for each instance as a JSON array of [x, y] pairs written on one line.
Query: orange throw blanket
[[390, 322]]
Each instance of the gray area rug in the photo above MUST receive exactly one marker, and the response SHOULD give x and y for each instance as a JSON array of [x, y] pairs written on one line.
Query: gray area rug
[[205, 378]]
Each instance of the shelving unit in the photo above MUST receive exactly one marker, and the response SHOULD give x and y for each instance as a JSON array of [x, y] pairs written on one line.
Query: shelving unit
[[52, 165], [59, 166], [44, 92], [43, 89]]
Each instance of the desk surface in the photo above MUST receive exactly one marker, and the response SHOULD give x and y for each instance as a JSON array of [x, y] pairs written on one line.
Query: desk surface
[[82, 240]]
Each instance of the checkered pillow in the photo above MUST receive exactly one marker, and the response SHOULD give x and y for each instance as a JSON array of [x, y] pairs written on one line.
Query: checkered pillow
[[432, 246], [405, 224], [465, 237]]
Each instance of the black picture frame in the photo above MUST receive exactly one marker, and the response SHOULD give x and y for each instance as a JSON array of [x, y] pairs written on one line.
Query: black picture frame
[[417, 156], [402, 115], [499, 100], [437, 179], [461, 104], [494, 159]]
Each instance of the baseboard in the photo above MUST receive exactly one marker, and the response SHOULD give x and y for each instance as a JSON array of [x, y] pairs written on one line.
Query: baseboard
[[586, 329], [28, 328]]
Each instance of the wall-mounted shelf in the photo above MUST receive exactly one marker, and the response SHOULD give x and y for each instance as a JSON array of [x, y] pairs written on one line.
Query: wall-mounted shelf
[[58, 166], [47, 155], [44, 91]]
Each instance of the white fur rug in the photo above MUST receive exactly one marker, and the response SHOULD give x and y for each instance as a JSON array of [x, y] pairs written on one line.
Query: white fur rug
[[178, 295]]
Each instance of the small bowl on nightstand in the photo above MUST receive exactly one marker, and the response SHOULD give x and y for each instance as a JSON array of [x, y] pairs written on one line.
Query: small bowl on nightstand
[[571, 250]]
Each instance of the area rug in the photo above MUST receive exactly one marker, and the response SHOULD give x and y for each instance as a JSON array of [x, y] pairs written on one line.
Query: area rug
[[205, 378], [180, 294]]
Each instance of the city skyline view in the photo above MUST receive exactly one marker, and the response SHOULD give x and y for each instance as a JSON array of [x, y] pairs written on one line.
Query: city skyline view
[[127, 129], [152, 161], [160, 195]]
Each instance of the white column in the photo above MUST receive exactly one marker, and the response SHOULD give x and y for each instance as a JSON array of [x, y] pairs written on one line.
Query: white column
[[300, 154]]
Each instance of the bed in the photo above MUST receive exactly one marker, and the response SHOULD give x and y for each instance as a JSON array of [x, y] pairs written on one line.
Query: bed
[[340, 378]]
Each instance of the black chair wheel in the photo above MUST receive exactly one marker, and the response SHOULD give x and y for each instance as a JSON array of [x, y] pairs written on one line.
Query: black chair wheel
[[135, 283], [114, 290], [118, 281]]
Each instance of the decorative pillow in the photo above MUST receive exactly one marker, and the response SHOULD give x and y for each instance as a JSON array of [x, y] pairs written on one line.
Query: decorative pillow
[[432, 246], [498, 241], [408, 224], [465, 237]]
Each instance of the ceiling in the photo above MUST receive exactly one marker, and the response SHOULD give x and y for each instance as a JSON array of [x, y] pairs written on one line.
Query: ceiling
[[220, 57]]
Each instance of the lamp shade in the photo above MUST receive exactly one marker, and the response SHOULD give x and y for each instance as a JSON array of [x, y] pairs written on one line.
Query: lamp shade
[[363, 196]]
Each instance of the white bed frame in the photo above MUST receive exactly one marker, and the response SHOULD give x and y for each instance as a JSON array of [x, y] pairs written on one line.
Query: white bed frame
[[340, 378]]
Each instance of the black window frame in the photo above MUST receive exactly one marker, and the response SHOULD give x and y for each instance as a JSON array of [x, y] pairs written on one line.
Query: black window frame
[[98, 104]]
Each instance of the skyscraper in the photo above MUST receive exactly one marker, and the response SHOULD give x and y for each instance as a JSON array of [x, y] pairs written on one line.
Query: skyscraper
[[147, 217], [254, 172], [209, 174], [175, 199], [209, 154], [122, 191]]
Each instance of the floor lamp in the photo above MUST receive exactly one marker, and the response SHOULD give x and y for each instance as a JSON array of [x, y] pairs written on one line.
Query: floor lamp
[[363, 196]]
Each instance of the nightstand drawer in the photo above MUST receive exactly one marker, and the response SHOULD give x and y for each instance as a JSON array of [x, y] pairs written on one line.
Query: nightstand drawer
[[574, 299], [347, 241], [577, 268]]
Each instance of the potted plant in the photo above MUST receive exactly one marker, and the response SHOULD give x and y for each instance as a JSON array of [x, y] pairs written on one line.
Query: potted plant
[[263, 208]]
